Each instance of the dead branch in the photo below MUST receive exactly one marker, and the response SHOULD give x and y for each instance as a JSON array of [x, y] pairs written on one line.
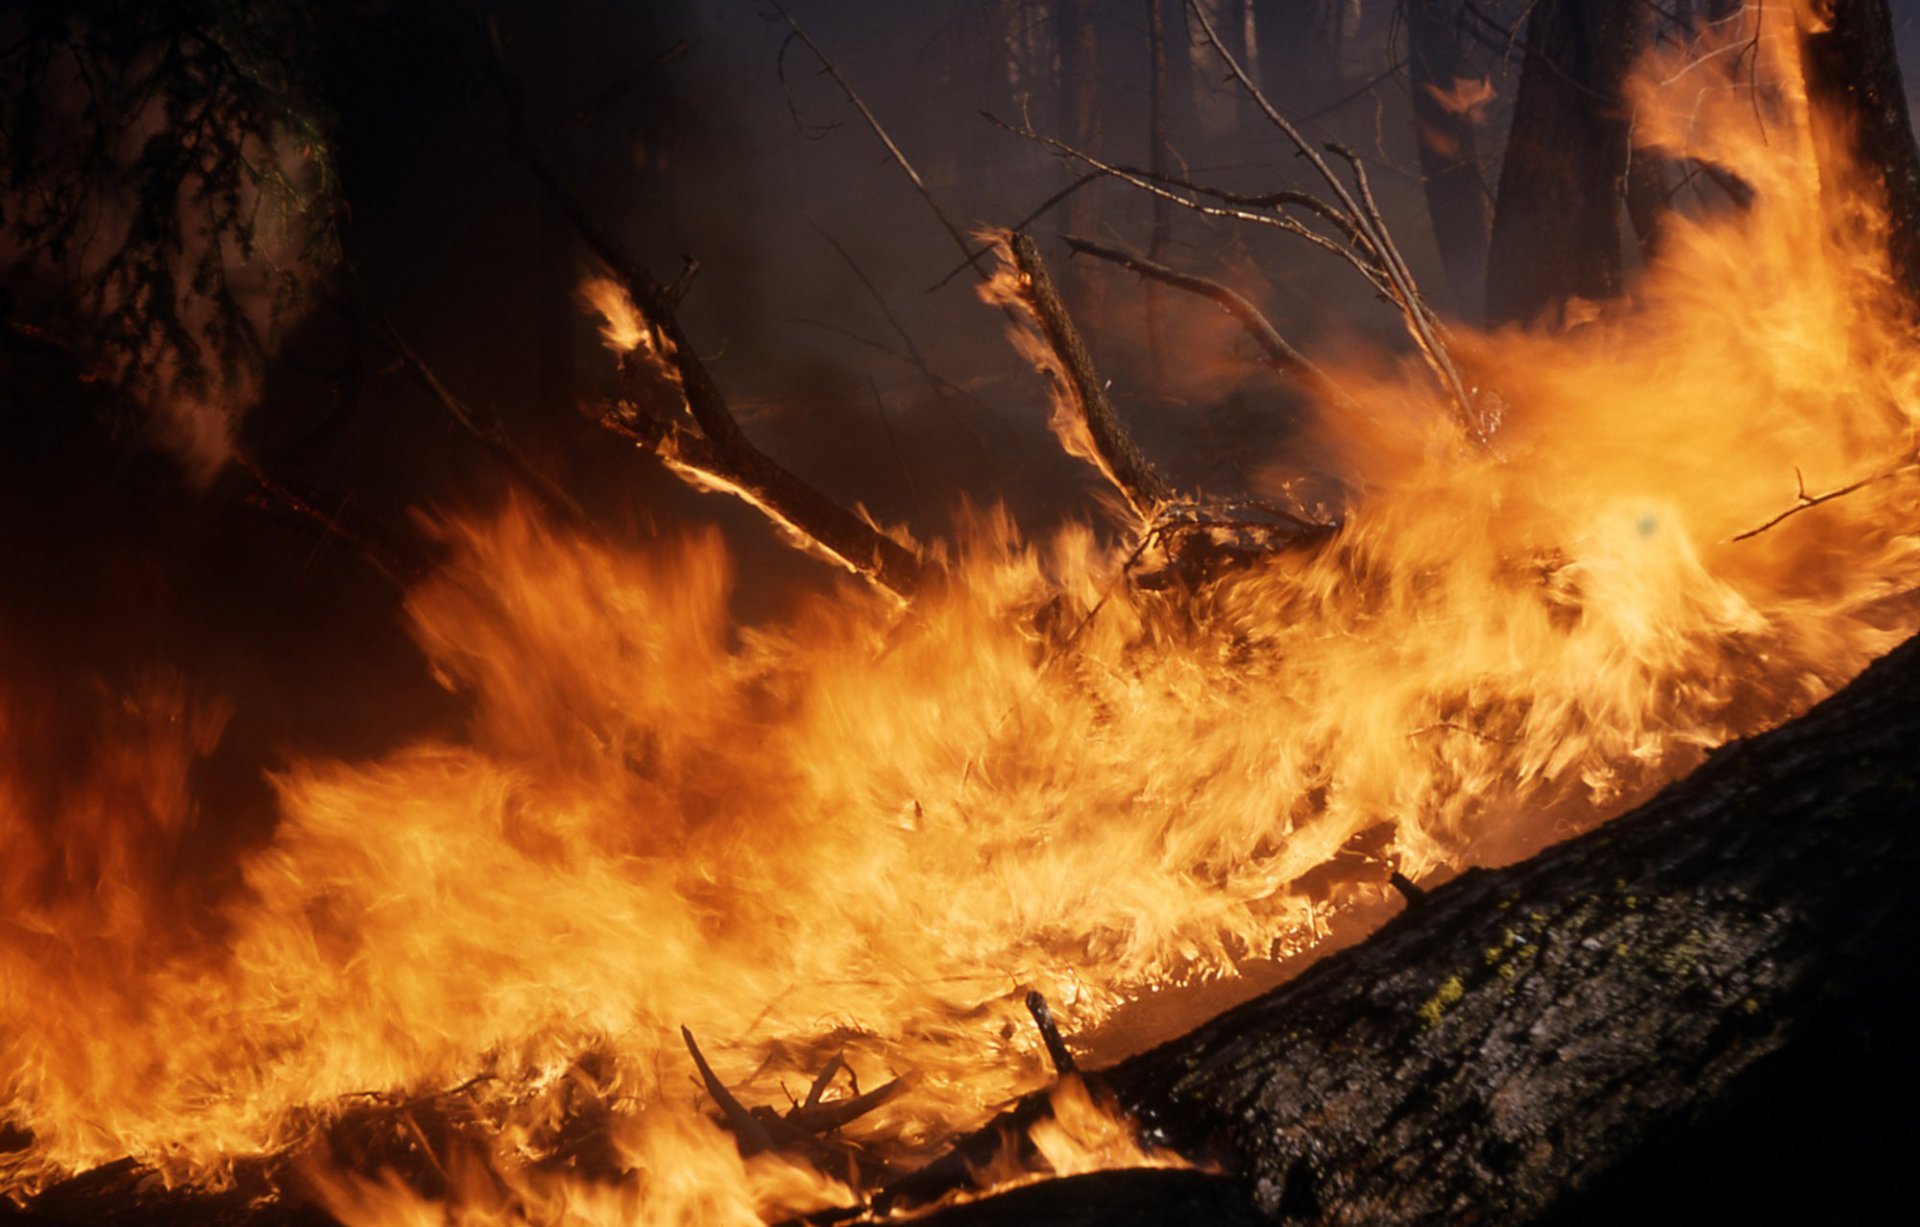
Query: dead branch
[[1057, 1050], [749, 1134], [893, 150], [1807, 502], [1281, 356], [489, 433], [1361, 261], [1364, 214], [1113, 449], [914, 357], [711, 449]]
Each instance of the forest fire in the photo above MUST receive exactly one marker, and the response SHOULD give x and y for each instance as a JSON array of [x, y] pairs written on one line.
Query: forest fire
[[678, 867]]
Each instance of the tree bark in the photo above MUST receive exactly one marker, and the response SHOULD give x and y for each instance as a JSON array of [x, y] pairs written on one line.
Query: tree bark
[[1520, 1031], [1556, 220], [1853, 75]]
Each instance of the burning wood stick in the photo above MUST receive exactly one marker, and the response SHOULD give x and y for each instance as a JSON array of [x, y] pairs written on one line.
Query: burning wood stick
[[1108, 445], [749, 1134], [1057, 1050]]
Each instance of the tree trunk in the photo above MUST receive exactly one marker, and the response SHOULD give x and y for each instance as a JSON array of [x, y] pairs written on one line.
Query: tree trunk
[[1445, 123], [1853, 74], [1556, 221], [1520, 1031]]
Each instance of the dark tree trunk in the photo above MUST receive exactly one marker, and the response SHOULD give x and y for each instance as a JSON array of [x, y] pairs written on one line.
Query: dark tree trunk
[[1853, 74], [1556, 221], [1521, 1031], [1457, 198]]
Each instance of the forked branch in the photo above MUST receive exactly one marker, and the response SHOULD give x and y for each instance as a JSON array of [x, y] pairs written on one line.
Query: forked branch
[[1376, 241]]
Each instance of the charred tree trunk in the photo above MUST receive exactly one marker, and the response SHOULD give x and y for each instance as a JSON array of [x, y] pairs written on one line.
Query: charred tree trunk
[[1556, 221], [1853, 75], [1444, 122], [1520, 1031]]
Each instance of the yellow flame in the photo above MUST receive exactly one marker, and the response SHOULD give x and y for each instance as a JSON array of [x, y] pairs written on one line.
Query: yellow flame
[[620, 324]]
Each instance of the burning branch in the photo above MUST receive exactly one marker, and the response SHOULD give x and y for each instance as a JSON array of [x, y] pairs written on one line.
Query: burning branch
[[1097, 435], [700, 439], [1057, 1050], [1807, 502], [1281, 356], [1196, 535]]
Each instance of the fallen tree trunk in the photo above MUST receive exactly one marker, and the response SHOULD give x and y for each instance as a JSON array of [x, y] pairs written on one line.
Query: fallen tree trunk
[[1518, 1032]]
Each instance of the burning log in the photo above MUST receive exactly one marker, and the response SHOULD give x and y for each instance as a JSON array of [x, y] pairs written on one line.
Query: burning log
[[1520, 1031]]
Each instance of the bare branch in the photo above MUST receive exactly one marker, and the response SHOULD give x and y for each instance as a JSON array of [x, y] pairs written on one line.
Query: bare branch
[[1279, 354], [1365, 214], [1807, 502], [913, 355], [893, 150], [1362, 264], [489, 433]]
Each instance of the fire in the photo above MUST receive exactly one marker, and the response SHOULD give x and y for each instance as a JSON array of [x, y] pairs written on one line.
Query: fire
[[1468, 96], [864, 833]]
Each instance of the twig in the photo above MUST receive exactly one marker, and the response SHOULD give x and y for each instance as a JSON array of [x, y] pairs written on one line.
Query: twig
[[1050, 1034], [1280, 355], [1806, 502], [913, 354], [488, 432], [873, 122]]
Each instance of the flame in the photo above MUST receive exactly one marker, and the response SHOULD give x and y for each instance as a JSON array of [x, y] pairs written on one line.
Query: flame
[[860, 833], [1468, 96], [620, 324]]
